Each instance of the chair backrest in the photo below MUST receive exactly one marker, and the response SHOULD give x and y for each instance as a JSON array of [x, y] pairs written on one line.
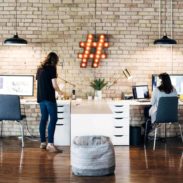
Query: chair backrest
[[167, 110], [10, 107]]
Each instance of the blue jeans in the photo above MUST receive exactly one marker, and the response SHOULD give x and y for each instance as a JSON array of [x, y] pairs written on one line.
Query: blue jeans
[[48, 109]]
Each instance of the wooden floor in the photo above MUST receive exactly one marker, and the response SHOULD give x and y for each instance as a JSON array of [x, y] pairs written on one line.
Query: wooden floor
[[134, 165]]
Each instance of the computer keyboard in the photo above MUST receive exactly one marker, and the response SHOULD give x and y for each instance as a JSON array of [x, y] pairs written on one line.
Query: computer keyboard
[[144, 100]]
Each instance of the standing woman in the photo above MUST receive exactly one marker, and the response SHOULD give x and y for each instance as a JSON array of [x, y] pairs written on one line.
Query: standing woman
[[46, 86]]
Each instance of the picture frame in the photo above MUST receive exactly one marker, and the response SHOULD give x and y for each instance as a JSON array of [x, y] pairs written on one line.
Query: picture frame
[[22, 85]]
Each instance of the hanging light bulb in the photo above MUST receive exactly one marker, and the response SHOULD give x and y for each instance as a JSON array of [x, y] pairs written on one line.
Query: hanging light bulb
[[15, 40]]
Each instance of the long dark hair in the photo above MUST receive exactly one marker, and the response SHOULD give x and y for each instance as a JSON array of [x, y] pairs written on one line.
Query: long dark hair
[[166, 84], [51, 60]]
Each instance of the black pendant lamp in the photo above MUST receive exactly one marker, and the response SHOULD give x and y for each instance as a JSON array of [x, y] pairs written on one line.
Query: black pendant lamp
[[15, 40], [165, 40]]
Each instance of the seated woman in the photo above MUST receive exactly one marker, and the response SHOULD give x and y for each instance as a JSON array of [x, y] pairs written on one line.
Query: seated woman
[[165, 89]]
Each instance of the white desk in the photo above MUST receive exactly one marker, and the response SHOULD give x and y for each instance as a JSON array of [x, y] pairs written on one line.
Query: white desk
[[111, 120], [90, 118]]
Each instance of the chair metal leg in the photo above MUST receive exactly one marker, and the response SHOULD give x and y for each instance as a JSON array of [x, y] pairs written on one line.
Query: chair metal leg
[[181, 131], [155, 138], [165, 132], [21, 161], [1, 129], [180, 164], [145, 133], [22, 132]]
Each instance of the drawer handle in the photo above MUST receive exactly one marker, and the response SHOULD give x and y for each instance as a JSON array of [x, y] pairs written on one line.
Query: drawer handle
[[60, 118], [118, 105], [118, 126], [60, 112], [118, 135], [60, 105], [118, 118], [118, 111], [59, 124]]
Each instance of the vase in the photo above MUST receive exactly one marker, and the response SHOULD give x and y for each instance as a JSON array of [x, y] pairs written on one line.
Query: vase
[[98, 94]]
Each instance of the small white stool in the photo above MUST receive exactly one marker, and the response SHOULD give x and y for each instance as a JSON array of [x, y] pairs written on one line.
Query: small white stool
[[92, 156]]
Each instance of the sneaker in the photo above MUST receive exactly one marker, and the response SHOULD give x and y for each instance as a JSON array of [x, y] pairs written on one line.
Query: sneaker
[[43, 145], [52, 148]]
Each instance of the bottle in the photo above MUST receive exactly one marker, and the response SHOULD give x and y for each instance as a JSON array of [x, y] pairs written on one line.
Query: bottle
[[73, 94], [122, 96]]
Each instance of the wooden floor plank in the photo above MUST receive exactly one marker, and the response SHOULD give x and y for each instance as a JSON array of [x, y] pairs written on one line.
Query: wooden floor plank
[[133, 164]]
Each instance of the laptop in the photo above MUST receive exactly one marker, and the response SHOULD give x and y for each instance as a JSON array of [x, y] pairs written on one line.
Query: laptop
[[141, 93]]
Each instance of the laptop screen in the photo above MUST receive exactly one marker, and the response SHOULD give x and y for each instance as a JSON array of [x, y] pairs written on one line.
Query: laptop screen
[[140, 92]]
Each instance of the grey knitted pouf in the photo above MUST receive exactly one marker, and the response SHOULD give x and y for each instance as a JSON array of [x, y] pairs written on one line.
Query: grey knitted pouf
[[92, 156]]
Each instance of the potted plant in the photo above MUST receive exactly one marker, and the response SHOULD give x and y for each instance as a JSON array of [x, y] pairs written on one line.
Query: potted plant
[[98, 85]]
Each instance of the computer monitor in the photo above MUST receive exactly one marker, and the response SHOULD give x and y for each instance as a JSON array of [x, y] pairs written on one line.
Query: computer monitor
[[140, 92], [22, 85], [176, 79]]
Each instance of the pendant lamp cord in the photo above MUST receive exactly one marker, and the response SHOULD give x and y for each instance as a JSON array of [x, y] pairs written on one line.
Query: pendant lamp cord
[[171, 19], [160, 18], [95, 32], [41, 29], [16, 16], [172, 33], [165, 16], [95, 16]]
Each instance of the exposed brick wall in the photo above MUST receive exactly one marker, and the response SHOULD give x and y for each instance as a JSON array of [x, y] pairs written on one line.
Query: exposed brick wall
[[59, 25]]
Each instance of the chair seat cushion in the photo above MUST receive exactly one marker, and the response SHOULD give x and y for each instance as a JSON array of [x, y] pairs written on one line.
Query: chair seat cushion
[[92, 156]]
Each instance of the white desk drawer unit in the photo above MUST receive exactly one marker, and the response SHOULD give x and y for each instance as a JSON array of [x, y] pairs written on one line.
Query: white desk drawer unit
[[121, 119], [63, 126]]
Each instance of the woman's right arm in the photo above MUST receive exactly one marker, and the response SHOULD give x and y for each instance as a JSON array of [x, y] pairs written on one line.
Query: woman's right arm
[[154, 96], [56, 87]]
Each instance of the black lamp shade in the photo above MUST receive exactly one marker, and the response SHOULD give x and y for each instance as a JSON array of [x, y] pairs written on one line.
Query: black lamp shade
[[165, 40], [15, 40]]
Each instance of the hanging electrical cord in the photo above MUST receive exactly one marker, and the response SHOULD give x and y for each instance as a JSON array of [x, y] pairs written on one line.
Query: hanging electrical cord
[[15, 40], [95, 17], [164, 39]]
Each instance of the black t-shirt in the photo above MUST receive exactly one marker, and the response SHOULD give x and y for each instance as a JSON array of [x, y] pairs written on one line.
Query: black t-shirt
[[45, 90]]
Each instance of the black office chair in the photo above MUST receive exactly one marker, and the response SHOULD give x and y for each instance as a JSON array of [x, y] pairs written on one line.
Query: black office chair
[[10, 111], [167, 112]]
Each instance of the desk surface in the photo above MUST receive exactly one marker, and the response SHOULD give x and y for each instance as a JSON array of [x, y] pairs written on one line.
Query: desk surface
[[34, 101], [94, 103], [90, 107]]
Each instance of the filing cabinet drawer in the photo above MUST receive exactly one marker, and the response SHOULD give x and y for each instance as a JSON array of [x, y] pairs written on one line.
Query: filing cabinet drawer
[[119, 108], [63, 121], [62, 135], [121, 114], [62, 130], [120, 121], [62, 115], [121, 130], [120, 139], [63, 108]]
